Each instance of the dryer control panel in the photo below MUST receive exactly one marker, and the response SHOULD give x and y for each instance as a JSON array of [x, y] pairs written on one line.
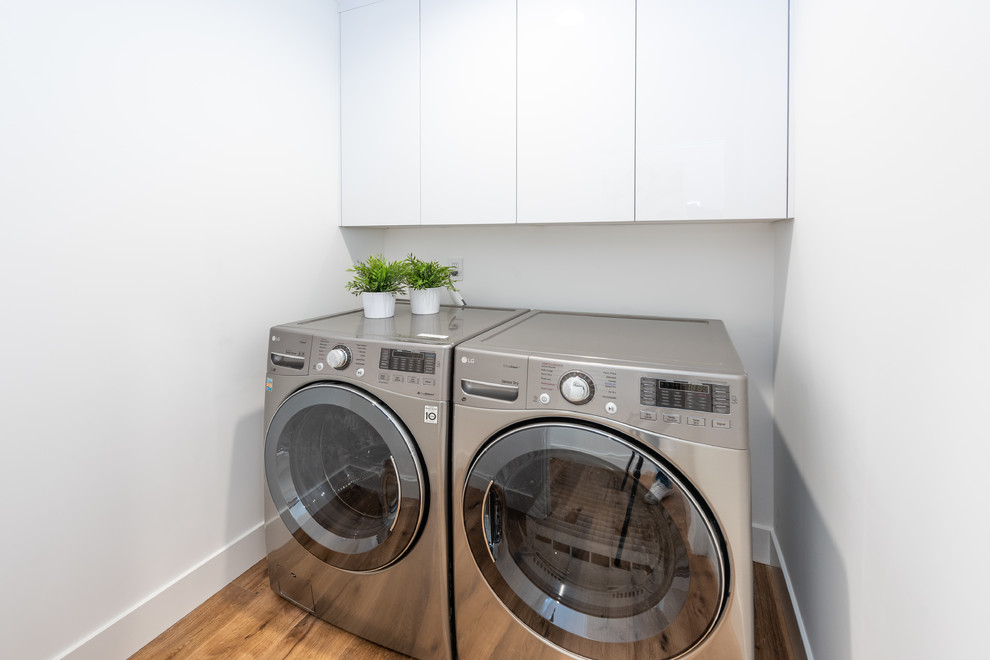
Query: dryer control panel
[[694, 406], [684, 395]]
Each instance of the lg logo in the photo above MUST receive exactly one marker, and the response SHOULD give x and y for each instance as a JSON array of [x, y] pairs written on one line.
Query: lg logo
[[276, 338], [431, 414], [466, 360]]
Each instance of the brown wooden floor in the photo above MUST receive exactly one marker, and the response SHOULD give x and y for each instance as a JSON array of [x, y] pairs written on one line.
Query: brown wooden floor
[[246, 619]]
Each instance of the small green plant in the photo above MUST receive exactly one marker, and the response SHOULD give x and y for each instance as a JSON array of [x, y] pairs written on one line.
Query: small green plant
[[428, 274], [377, 275]]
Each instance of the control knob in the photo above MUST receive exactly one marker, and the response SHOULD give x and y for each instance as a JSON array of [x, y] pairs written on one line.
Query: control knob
[[577, 387], [339, 357]]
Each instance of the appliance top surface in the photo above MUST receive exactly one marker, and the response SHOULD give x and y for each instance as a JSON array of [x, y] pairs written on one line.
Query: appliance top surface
[[693, 343], [451, 325]]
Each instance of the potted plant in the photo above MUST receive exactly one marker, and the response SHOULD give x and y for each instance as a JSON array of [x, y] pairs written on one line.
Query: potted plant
[[426, 279], [378, 281]]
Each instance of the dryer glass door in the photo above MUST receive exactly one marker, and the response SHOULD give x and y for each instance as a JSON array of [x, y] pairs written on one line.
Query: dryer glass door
[[345, 476], [595, 542]]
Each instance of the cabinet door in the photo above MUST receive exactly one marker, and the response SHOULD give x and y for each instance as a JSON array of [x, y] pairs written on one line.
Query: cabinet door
[[711, 108], [469, 111], [576, 110], [379, 114]]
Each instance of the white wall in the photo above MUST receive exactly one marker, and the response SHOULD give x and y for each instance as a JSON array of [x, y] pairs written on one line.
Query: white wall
[[167, 192], [881, 378], [723, 271]]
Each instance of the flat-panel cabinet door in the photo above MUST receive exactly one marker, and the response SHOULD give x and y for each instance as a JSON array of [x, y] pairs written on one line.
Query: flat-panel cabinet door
[[379, 114], [576, 110], [711, 107], [469, 111]]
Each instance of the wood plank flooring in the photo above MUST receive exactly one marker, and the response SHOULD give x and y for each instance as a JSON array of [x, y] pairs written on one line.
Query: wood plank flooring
[[246, 619], [777, 633]]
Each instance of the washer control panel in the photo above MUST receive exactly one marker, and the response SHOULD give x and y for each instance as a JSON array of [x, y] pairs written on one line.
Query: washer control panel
[[417, 362], [414, 369]]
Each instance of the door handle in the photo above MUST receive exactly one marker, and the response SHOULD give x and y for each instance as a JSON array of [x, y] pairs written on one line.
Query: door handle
[[496, 391], [491, 524], [390, 506]]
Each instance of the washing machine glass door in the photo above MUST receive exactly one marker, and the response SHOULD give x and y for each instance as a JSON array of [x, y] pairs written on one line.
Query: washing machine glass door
[[345, 476], [595, 542]]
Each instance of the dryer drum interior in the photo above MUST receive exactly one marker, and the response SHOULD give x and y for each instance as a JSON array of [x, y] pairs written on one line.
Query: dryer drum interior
[[563, 524], [345, 476]]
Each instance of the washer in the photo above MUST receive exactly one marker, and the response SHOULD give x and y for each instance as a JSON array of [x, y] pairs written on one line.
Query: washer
[[601, 491], [356, 459]]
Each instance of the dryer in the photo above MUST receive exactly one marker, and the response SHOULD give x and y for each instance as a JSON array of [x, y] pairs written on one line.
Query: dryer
[[601, 491], [356, 461]]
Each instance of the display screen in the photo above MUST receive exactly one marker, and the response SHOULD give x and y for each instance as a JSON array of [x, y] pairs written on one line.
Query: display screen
[[684, 387], [701, 397], [417, 362]]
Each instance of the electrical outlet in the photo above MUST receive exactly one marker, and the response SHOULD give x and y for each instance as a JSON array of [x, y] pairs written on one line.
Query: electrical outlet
[[457, 263]]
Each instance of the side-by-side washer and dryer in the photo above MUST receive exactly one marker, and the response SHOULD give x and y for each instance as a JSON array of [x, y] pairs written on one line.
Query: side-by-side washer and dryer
[[601, 491], [356, 412]]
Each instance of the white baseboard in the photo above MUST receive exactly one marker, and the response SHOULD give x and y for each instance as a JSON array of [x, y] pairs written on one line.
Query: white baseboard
[[133, 629], [765, 545], [136, 627]]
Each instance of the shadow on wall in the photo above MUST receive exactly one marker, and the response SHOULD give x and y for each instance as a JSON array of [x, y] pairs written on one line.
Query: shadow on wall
[[247, 470], [814, 565], [783, 233]]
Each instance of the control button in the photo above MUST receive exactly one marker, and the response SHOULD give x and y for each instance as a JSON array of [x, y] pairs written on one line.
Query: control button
[[430, 381], [648, 415], [398, 378], [339, 357], [359, 372], [611, 408], [721, 424], [577, 387], [412, 380], [671, 418], [382, 377], [544, 398], [319, 366], [696, 421]]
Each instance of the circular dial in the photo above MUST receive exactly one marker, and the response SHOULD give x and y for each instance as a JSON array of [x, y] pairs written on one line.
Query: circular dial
[[339, 356], [577, 387]]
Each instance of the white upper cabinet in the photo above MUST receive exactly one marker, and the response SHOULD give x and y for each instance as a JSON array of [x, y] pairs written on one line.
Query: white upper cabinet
[[576, 110], [711, 109], [468, 111], [379, 114], [555, 111]]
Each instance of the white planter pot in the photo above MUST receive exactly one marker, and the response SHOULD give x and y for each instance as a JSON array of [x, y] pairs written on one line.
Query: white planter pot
[[425, 301], [378, 305]]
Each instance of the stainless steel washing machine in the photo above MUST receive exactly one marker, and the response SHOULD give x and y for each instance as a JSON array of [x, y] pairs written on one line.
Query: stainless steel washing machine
[[356, 461], [601, 491]]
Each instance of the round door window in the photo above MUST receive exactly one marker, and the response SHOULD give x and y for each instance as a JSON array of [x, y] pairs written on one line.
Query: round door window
[[592, 541], [345, 477]]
